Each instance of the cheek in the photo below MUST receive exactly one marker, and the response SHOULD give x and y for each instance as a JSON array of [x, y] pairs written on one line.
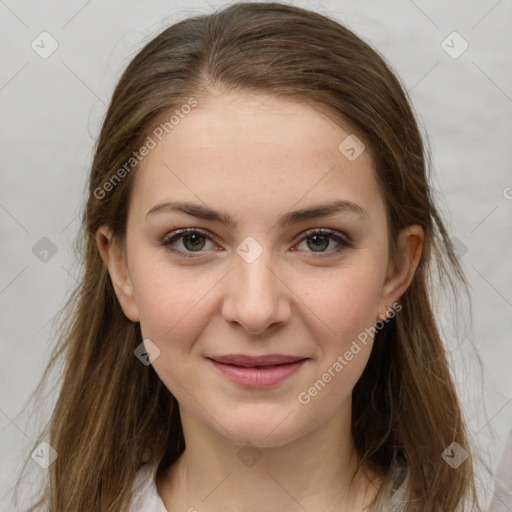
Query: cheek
[[347, 304], [344, 301], [168, 299], [172, 314]]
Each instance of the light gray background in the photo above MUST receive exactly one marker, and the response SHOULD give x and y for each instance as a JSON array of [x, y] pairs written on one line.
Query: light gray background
[[51, 110]]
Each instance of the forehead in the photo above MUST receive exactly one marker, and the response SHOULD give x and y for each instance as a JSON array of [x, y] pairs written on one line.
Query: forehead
[[252, 152]]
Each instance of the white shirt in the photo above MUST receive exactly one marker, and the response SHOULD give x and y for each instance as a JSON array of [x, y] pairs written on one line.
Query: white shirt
[[146, 497]]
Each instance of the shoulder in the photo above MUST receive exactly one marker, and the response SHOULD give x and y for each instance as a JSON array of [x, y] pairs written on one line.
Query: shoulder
[[145, 495]]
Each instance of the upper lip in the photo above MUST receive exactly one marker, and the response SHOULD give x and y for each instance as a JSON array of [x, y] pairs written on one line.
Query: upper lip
[[250, 361]]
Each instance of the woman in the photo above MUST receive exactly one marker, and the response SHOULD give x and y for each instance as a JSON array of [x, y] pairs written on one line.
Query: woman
[[254, 327]]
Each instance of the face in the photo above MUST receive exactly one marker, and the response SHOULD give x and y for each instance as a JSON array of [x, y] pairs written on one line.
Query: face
[[252, 292]]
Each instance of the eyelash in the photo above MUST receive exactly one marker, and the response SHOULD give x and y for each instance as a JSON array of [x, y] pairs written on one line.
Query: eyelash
[[169, 239]]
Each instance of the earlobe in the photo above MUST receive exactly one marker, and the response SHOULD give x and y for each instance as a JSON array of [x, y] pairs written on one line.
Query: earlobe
[[114, 258], [400, 274]]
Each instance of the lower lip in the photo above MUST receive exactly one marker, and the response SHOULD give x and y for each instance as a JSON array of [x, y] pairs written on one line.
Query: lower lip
[[258, 378]]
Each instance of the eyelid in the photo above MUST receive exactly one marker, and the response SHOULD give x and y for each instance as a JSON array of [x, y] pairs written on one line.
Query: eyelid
[[343, 241], [325, 231], [168, 239]]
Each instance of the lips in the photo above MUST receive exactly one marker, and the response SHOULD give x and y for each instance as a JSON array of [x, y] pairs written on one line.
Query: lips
[[257, 371], [254, 361]]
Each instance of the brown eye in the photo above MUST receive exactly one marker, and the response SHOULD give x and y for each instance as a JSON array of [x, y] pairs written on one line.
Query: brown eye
[[192, 241], [195, 241], [320, 242]]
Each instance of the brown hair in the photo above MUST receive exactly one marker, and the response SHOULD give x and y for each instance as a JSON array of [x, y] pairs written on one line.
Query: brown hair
[[113, 414]]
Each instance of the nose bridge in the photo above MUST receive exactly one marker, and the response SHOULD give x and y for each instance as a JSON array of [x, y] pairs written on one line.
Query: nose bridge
[[256, 298]]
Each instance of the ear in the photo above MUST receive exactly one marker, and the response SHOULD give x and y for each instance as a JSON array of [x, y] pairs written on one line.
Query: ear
[[400, 273], [115, 259]]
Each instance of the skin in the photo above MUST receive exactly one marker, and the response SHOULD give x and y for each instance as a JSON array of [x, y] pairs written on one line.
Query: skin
[[256, 158]]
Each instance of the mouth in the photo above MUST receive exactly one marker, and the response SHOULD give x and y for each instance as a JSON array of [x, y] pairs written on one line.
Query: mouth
[[257, 372]]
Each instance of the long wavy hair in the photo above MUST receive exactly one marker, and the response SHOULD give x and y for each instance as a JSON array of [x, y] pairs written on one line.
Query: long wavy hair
[[113, 414]]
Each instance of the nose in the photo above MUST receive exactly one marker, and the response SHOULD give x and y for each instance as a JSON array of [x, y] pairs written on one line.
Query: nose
[[257, 298]]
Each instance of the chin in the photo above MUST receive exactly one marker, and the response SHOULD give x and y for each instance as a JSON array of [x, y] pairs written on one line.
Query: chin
[[259, 431]]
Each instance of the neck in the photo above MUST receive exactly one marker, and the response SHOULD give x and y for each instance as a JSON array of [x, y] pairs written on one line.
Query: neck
[[216, 475]]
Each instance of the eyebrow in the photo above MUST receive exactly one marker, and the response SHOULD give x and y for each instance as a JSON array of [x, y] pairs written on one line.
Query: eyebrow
[[292, 217]]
